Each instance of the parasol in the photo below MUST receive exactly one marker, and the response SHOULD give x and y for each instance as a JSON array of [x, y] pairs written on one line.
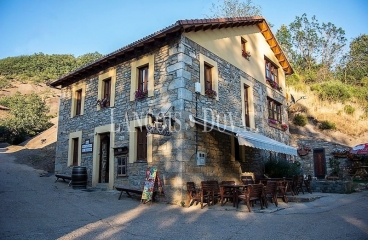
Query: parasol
[[361, 149]]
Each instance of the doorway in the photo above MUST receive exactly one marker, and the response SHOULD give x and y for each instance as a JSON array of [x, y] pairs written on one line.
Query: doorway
[[103, 176], [319, 163]]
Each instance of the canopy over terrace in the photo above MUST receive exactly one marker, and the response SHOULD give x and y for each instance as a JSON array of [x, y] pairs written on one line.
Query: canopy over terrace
[[247, 138]]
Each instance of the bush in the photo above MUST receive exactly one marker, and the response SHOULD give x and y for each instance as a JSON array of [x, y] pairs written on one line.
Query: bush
[[332, 91], [349, 109], [281, 168], [327, 125], [300, 120]]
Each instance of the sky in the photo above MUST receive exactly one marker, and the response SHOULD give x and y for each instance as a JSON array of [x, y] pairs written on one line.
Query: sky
[[78, 27]]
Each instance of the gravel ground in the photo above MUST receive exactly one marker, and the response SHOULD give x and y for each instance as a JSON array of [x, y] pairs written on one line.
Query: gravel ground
[[34, 207]]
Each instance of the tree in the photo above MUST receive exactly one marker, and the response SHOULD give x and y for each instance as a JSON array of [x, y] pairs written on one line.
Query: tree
[[234, 8], [28, 115], [355, 63], [312, 46]]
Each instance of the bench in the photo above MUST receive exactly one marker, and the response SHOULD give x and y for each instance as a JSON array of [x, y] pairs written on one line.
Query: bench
[[64, 177], [128, 190]]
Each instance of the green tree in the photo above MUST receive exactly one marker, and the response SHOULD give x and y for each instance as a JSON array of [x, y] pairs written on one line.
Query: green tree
[[314, 48], [28, 115], [234, 8], [354, 68]]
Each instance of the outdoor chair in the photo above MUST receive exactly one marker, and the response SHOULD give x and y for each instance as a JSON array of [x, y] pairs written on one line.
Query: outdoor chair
[[282, 188], [193, 194], [271, 192], [307, 183], [298, 184], [253, 193], [227, 193], [210, 192], [246, 180]]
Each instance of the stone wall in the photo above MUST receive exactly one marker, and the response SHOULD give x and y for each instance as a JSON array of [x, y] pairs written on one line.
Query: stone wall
[[307, 162], [176, 69], [327, 186]]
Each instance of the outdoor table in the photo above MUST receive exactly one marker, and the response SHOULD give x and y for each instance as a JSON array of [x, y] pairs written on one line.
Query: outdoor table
[[233, 188]]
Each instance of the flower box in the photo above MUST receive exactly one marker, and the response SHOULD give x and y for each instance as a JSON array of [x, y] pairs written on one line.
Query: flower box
[[140, 94], [103, 103], [211, 93], [246, 54], [274, 85]]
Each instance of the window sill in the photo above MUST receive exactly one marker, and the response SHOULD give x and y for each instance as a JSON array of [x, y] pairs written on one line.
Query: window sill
[[277, 126]]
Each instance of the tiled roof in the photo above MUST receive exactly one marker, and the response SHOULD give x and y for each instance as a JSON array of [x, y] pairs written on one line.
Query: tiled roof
[[183, 26]]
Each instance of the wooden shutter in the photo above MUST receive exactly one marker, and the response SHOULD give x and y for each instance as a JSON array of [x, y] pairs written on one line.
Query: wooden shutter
[[246, 106], [107, 89], [142, 144], [75, 151], [207, 77], [78, 103]]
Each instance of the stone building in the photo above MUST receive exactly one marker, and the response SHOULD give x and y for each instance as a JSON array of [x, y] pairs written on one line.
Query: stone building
[[209, 90]]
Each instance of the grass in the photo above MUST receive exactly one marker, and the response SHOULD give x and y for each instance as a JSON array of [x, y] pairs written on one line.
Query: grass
[[353, 124]]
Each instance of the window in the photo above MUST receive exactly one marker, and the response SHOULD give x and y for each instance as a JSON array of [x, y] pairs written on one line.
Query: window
[[74, 148], [274, 110], [246, 106], [78, 96], [75, 151], [78, 103], [207, 77], [271, 71], [247, 103], [122, 165], [143, 78], [141, 144], [106, 89], [244, 51]]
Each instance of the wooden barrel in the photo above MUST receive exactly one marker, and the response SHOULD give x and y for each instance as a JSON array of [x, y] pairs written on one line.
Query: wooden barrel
[[79, 177]]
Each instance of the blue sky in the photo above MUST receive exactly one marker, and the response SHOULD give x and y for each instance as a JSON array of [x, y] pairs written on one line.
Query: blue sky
[[83, 26]]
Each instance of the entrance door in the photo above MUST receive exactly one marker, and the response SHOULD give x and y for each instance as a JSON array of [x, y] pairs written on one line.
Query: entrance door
[[104, 159], [319, 163]]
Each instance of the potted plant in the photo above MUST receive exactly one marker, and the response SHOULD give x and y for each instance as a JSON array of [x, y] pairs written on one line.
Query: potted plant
[[211, 93], [140, 94], [246, 54], [103, 102], [274, 84], [284, 127]]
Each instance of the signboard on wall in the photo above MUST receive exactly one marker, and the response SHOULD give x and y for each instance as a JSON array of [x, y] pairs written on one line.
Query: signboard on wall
[[87, 147]]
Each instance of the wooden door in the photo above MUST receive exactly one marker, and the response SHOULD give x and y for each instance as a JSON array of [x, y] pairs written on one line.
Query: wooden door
[[104, 159], [319, 163]]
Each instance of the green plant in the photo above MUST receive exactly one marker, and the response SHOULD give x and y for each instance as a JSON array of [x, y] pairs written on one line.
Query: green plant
[[335, 166], [182, 203], [332, 91], [327, 125], [300, 120], [349, 109], [278, 168]]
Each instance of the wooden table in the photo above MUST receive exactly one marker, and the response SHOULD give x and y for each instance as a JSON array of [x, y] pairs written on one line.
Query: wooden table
[[233, 189]]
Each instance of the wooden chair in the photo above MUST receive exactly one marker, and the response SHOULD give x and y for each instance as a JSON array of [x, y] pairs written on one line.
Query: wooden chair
[[282, 188], [246, 180], [270, 191], [193, 194], [307, 183], [227, 192], [253, 193], [298, 184], [210, 192]]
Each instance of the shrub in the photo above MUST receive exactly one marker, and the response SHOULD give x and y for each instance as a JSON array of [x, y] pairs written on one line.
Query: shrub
[[332, 91], [349, 109], [326, 125], [281, 168], [300, 120]]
